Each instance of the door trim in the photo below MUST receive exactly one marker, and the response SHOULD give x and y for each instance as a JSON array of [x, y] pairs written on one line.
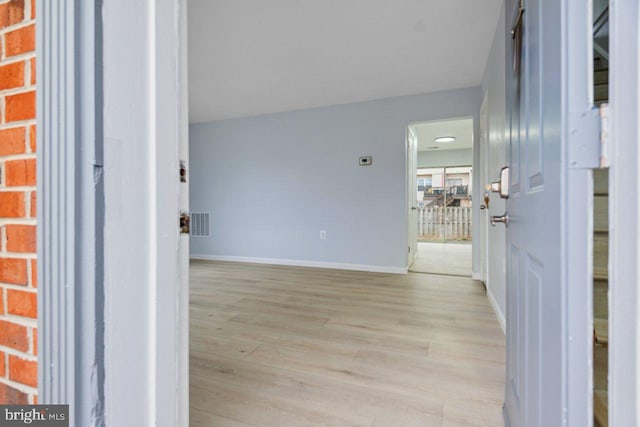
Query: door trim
[[624, 211], [70, 212], [411, 158], [578, 221]]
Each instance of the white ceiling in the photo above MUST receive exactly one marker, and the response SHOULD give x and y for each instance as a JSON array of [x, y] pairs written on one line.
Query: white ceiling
[[251, 57], [461, 129]]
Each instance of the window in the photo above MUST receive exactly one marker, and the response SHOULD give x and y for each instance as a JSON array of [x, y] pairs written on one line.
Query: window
[[424, 183]]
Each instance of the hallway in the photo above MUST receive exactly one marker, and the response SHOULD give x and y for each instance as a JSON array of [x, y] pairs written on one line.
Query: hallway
[[288, 346], [443, 258]]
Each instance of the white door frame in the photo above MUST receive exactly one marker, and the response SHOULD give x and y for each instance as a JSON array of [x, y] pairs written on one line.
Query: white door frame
[[112, 121], [578, 219], [624, 214], [70, 211], [145, 285], [411, 171], [483, 140]]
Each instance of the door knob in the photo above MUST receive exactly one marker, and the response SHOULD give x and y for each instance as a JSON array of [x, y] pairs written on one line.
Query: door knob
[[504, 218]]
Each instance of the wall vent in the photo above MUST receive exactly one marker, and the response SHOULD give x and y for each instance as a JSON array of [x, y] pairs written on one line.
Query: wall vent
[[200, 224]]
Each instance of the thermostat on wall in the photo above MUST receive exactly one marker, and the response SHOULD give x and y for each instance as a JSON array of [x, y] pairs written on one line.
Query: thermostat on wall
[[365, 161]]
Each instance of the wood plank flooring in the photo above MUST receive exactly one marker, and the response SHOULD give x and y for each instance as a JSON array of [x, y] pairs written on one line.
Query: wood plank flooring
[[288, 346]]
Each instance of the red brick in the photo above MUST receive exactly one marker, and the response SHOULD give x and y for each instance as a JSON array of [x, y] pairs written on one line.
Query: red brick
[[20, 172], [12, 75], [34, 273], [33, 9], [12, 141], [23, 371], [22, 303], [14, 336], [22, 40], [33, 205], [1, 303], [21, 238], [3, 372], [32, 138], [12, 204], [20, 107], [33, 71], [35, 341], [13, 271], [11, 13], [11, 396]]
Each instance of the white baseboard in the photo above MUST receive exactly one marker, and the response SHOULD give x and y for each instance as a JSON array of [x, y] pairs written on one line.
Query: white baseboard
[[477, 276], [496, 309], [302, 263]]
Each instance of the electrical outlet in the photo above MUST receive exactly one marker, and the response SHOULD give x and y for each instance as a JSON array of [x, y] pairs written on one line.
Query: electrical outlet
[[323, 234]]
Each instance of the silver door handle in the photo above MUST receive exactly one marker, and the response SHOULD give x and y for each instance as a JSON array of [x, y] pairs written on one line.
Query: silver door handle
[[500, 218], [502, 186]]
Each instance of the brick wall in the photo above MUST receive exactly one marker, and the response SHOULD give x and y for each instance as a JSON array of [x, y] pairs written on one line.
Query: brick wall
[[18, 281]]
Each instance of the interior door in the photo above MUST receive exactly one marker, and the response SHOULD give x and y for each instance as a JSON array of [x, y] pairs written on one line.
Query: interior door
[[536, 329], [412, 189]]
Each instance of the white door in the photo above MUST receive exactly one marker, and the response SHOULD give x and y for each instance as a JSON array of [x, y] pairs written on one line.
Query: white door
[[538, 207], [412, 188]]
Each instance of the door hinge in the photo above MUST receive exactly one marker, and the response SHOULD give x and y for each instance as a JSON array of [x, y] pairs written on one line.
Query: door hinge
[[185, 221], [183, 171], [584, 139], [589, 138]]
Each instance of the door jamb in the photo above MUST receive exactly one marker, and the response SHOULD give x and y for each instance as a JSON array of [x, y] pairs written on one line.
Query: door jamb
[[624, 211], [408, 189], [578, 221]]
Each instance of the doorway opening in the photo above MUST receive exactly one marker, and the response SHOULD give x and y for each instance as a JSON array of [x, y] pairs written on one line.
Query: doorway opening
[[601, 227], [441, 197]]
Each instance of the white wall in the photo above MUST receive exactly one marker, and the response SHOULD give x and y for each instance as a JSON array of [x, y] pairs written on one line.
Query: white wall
[[493, 159], [273, 182], [436, 158]]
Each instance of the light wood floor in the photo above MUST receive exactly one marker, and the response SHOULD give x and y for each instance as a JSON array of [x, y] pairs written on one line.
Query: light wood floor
[[285, 346]]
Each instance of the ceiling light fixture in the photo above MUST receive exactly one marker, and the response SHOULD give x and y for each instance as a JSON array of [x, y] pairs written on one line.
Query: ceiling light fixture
[[445, 139]]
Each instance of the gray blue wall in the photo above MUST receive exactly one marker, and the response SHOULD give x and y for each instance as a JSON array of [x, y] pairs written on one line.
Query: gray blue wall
[[434, 159], [273, 182]]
